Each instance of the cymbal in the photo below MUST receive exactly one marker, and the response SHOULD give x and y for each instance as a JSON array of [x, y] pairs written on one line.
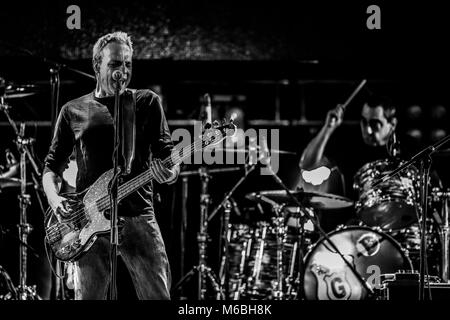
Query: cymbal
[[209, 171], [246, 150], [14, 91], [10, 183], [317, 200]]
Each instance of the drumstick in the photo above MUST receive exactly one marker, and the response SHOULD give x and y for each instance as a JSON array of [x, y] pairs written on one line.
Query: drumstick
[[350, 98]]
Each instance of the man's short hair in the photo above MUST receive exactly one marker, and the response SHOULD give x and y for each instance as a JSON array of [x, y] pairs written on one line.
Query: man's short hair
[[119, 36], [389, 109]]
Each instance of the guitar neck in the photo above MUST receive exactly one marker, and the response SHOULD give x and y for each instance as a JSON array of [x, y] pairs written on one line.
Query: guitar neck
[[176, 157]]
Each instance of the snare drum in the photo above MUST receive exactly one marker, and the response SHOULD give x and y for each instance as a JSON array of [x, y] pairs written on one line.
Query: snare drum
[[371, 252], [391, 205]]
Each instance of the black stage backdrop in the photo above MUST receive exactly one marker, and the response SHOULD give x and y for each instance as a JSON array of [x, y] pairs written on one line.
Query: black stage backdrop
[[283, 63]]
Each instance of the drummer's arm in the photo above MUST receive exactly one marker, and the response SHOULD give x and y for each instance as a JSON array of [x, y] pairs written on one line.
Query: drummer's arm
[[313, 155]]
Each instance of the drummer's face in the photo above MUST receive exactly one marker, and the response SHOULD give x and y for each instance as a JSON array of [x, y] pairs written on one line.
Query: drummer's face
[[375, 128]]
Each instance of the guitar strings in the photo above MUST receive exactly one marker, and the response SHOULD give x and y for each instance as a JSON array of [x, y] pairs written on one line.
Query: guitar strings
[[79, 215]]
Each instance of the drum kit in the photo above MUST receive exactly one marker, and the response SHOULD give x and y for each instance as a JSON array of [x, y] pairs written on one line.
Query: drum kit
[[289, 257]]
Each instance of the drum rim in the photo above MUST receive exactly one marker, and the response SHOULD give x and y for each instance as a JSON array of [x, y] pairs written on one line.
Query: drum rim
[[377, 230], [383, 161], [404, 252]]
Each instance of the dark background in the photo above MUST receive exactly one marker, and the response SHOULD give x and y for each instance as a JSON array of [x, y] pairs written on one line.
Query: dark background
[[285, 63]]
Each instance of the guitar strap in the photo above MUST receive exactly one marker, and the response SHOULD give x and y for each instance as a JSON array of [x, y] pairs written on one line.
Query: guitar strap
[[128, 130]]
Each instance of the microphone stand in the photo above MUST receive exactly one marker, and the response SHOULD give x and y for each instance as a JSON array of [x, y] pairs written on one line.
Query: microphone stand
[[321, 231], [424, 156], [113, 191]]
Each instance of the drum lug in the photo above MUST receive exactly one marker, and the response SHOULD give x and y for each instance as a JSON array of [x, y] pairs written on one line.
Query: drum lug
[[377, 228]]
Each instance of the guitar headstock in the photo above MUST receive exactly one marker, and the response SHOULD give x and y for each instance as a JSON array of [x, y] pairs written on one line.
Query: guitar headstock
[[217, 132]]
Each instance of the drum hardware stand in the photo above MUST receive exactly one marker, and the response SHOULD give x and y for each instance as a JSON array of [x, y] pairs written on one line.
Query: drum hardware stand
[[225, 202], [24, 292], [444, 233], [321, 231], [203, 270], [223, 271], [280, 234], [424, 156], [299, 245]]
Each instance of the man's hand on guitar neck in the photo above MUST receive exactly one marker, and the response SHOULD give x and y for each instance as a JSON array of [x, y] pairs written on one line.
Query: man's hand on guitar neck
[[162, 174]]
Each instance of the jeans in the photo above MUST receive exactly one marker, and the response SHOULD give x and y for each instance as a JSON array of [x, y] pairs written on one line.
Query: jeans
[[142, 249]]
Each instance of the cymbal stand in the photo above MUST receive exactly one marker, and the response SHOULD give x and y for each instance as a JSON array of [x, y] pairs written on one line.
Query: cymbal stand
[[445, 240], [23, 145], [226, 240], [204, 271], [226, 204], [424, 157], [444, 232], [24, 292], [280, 235]]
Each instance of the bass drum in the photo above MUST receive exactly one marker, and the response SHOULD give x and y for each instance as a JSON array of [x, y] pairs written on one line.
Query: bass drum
[[371, 252]]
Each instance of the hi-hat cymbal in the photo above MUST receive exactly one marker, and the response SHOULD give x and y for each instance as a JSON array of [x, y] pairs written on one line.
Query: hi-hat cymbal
[[9, 183], [317, 200], [13, 91]]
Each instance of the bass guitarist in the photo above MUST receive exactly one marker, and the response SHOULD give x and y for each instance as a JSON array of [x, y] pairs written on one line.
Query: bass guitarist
[[85, 127]]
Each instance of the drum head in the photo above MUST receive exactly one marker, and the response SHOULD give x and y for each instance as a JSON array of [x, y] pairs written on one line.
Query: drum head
[[371, 252]]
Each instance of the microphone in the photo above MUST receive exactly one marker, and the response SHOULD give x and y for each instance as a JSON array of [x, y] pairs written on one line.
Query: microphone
[[117, 75], [208, 110]]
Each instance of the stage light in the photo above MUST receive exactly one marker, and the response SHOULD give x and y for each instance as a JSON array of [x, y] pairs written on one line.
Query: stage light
[[414, 112], [415, 133], [437, 134], [438, 112]]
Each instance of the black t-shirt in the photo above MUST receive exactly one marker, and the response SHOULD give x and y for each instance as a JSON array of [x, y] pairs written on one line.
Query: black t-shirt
[[85, 126]]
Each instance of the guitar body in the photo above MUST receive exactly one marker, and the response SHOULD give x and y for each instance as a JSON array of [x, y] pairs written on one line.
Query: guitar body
[[75, 235]]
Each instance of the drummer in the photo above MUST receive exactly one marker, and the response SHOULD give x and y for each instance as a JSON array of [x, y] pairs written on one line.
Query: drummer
[[376, 141]]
